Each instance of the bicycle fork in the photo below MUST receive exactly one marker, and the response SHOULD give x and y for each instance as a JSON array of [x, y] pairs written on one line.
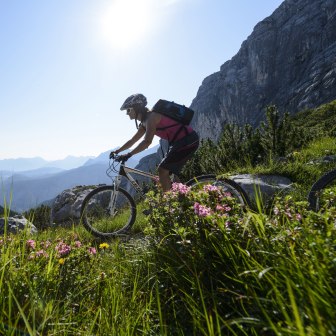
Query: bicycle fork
[[114, 196]]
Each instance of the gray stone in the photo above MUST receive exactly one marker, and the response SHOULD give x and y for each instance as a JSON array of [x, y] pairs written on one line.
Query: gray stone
[[67, 205], [15, 224], [265, 187], [288, 60], [326, 159]]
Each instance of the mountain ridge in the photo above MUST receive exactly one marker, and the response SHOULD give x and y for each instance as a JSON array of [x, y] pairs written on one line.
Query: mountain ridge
[[28, 189], [287, 61], [26, 164]]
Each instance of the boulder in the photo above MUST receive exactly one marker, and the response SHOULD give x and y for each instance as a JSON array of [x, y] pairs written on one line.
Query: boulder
[[265, 187], [67, 205], [15, 224]]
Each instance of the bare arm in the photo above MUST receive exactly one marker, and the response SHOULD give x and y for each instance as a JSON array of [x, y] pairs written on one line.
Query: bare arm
[[151, 123], [138, 135]]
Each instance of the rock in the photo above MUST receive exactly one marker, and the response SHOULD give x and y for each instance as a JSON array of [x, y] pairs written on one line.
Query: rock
[[67, 205], [329, 158], [325, 159], [15, 224], [287, 61], [266, 186]]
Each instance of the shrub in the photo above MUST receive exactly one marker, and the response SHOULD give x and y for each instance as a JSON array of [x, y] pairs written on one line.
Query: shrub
[[39, 216]]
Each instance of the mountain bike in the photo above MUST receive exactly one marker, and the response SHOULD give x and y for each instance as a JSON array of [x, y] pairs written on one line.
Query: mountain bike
[[323, 191], [110, 210]]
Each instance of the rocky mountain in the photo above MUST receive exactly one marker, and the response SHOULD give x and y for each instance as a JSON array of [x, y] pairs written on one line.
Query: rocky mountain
[[289, 60]]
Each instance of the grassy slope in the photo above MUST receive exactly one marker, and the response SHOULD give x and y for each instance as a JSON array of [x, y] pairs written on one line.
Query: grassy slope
[[271, 274]]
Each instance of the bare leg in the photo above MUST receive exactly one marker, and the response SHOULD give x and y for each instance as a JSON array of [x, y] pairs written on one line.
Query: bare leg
[[164, 179]]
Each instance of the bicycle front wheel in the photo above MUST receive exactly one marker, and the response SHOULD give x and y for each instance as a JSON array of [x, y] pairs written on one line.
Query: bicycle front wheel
[[227, 185], [323, 192], [106, 212]]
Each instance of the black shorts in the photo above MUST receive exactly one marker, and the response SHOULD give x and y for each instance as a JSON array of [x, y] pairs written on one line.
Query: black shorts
[[180, 152]]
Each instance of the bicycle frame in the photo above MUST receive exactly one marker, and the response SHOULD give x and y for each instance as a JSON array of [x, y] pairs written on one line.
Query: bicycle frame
[[125, 171]]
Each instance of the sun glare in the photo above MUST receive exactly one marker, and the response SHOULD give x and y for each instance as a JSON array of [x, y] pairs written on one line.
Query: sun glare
[[127, 22]]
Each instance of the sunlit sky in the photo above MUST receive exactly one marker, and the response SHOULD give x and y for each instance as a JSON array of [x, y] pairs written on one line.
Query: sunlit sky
[[66, 66]]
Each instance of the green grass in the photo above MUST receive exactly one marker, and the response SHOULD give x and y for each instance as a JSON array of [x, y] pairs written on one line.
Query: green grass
[[255, 273]]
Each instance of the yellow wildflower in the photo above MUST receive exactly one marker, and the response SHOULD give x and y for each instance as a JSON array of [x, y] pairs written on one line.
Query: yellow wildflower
[[104, 246], [61, 261]]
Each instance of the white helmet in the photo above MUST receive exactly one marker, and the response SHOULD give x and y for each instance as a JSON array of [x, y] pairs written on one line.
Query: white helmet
[[134, 100]]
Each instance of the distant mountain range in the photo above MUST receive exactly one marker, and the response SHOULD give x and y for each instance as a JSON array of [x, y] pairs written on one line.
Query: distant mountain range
[[29, 188], [26, 164]]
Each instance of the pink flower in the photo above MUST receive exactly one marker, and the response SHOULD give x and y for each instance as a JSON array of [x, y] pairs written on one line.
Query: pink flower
[[180, 188], [298, 216], [210, 187], [223, 208], [63, 249], [92, 250], [31, 244], [78, 244], [42, 253], [46, 244], [31, 256], [201, 210], [289, 215]]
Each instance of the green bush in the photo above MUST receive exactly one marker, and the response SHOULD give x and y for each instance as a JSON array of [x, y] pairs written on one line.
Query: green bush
[[279, 135], [39, 216]]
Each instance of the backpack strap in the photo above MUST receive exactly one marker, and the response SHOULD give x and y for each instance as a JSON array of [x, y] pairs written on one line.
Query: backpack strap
[[174, 137], [164, 128], [176, 133]]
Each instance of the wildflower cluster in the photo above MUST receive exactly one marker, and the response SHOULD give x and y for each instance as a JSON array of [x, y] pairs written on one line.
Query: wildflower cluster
[[288, 210], [184, 213], [60, 249], [202, 210], [180, 188], [63, 249]]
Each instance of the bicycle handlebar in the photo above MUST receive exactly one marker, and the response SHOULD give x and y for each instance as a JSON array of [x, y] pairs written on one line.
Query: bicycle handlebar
[[119, 158]]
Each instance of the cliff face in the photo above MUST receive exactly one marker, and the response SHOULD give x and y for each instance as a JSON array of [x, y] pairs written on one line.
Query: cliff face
[[289, 60]]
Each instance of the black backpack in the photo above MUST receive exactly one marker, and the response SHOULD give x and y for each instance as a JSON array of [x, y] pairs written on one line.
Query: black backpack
[[177, 112]]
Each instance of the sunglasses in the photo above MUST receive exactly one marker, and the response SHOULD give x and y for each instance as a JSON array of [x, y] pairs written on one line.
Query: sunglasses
[[130, 109]]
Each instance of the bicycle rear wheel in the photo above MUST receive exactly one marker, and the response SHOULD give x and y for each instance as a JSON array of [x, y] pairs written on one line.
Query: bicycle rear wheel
[[104, 219], [227, 185], [323, 192]]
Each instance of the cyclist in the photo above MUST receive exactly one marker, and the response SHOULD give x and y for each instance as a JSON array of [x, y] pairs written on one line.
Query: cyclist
[[183, 140]]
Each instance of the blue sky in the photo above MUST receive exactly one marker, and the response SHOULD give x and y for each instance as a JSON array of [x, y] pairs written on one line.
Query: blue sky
[[66, 66]]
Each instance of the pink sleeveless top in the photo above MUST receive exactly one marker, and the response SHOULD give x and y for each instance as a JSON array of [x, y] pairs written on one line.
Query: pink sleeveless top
[[171, 130]]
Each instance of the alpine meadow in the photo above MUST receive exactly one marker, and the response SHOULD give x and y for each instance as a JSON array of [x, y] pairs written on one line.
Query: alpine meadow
[[196, 261]]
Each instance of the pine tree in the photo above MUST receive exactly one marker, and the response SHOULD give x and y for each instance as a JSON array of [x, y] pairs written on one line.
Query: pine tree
[[275, 132]]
